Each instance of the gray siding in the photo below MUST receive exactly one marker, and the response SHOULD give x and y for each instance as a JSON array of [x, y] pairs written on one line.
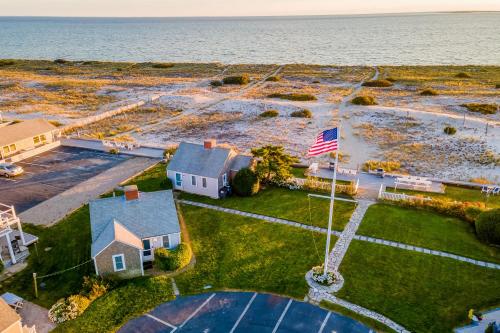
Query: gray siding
[[133, 263]]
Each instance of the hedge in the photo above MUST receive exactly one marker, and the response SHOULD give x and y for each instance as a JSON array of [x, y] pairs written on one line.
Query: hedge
[[171, 260], [488, 226], [246, 183]]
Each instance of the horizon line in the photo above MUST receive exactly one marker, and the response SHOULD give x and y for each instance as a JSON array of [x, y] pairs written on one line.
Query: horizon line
[[261, 16]]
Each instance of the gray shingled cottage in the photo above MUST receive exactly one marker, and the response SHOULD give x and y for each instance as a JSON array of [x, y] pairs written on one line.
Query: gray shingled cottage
[[204, 169], [127, 229]]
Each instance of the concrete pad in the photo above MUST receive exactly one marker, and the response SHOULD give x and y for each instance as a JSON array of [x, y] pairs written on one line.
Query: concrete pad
[[34, 315]]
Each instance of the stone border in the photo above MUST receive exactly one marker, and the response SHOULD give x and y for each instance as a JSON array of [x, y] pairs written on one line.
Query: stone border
[[322, 288]]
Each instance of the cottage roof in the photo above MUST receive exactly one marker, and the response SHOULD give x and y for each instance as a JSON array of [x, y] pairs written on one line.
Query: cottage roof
[[241, 161], [152, 214], [8, 317], [194, 159], [115, 231], [25, 129]]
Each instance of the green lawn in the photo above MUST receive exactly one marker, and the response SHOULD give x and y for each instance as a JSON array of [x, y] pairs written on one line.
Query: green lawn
[[235, 252], [426, 229], [153, 179], [61, 246], [287, 204], [111, 311], [459, 194], [422, 292]]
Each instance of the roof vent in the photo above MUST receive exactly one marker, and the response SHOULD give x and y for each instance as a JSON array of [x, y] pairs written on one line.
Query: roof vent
[[131, 192], [209, 144]]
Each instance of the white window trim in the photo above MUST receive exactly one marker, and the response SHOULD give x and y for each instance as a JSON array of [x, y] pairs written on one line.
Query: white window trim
[[194, 181], [204, 182], [123, 260], [169, 242]]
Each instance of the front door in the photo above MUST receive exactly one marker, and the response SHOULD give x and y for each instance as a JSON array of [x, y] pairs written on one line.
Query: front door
[[178, 180], [147, 253]]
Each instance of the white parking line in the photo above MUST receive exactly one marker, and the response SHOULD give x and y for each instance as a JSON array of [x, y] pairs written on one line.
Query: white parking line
[[162, 321], [40, 165], [324, 322], [282, 316], [243, 313], [197, 310]]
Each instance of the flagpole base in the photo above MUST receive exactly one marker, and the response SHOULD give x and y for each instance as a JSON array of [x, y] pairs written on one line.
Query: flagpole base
[[332, 288]]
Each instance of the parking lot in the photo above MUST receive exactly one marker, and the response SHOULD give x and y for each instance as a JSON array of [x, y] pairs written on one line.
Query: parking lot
[[53, 172], [241, 312]]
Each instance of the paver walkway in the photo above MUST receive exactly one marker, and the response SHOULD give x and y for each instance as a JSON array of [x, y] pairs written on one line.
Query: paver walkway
[[480, 327], [56, 208], [338, 234]]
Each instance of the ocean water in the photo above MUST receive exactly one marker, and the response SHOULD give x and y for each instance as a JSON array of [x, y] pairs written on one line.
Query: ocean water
[[437, 39]]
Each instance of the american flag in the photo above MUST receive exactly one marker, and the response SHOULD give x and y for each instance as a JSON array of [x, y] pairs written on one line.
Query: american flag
[[326, 141]]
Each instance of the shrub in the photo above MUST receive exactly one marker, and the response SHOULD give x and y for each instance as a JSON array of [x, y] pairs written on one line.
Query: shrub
[[163, 65], [216, 83], [294, 97], [171, 260], [463, 75], [273, 78], [94, 287], [269, 114], [481, 108], [497, 86], [429, 92], [488, 226], [237, 79], [60, 61], [1, 266], [5, 62], [246, 183], [68, 308], [450, 130], [378, 83], [114, 151], [364, 100], [386, 165], [169, 152], [55, 123], [316, 81], [391, 79], [304, 113]]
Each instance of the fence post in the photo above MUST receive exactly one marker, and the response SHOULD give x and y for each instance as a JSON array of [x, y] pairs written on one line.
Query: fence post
[[35, 285], [380, 191]]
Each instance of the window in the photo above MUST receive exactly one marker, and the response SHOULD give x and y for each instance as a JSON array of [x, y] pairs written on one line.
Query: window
[[224, 179], [166, 242], [12, 147], [6, 149], [193, 180], [9, 149], [178, 179], [43, 138], [146, 244], [119, 262], [204, 182], [36, 139]]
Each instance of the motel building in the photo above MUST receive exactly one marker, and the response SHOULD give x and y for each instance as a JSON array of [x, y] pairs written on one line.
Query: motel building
[[20, 140]]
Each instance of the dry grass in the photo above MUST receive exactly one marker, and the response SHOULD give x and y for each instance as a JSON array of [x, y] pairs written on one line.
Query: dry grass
[[351, 74], [384, 137]]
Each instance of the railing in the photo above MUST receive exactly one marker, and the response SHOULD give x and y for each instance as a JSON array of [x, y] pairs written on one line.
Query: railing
[[7, 216], [383, 195]]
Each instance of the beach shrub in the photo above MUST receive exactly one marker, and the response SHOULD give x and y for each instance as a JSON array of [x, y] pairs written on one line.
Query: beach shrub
[[162, 65], [269, 114], [173, 259], [480, 107], [364, 100], [497, 86], [388, 166], [304, 113], [114, 151], [429, 92], [378, 83], [246, 183], [316, 81], [273, 78], [237, 79], [450, 130], [60, 61], [216, 83], [463, 75], [488, 226], [6, 62], [390, 79], [294, 97]]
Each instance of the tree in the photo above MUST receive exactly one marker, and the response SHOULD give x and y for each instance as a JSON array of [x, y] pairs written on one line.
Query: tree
[[488, 226], [274, 164], [246, 183]]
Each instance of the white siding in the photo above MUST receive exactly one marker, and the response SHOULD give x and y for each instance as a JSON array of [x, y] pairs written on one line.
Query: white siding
[[212, 189]]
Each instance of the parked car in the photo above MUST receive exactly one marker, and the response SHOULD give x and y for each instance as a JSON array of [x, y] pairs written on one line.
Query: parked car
[[380, 173], [10, 170]]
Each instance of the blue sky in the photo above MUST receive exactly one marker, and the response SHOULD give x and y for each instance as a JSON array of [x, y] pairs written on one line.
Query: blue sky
[[232, 7]]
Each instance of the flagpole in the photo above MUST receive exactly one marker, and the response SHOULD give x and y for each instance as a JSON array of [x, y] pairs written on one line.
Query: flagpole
[[332, 199]]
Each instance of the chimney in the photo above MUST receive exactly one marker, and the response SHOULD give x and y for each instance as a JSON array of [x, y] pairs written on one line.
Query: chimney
[[209, 144], [131, 192]]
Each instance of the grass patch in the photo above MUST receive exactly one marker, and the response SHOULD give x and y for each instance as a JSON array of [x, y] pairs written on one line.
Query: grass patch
[[463, 75], [304, 113], [378, 326], [388, 166], [429, 92], [286, 204], [153, 179], [294, 97], [61, 246], [236, 252], [6, 62], [426, 229], [481, 108], [273, 78], [131, 299], [378, 83], [422, 292], [364, 100], [269, 114]]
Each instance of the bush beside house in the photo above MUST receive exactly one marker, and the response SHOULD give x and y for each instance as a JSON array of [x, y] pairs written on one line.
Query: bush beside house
[[171, 260], [488, 226], [246, 183]]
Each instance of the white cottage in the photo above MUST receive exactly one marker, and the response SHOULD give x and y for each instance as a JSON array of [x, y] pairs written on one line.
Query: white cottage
[[204, 169]]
